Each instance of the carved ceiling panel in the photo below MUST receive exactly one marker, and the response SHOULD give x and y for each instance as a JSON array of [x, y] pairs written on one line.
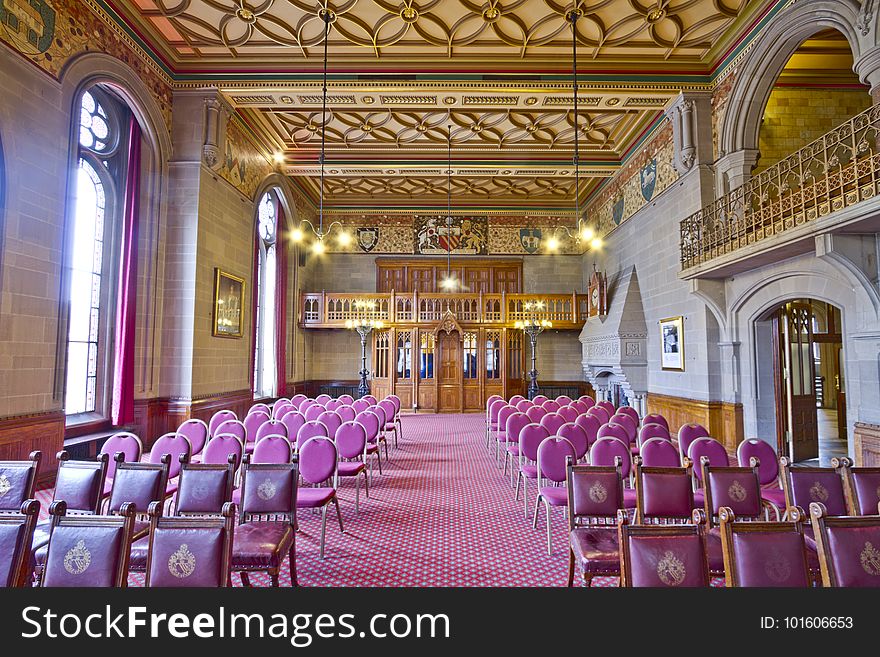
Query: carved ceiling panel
[[432, 189]]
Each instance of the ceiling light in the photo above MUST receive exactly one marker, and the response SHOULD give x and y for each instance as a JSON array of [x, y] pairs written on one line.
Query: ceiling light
[[596, 243], [449, 283], [552, 244], [318, 247], [296, 235], [587, 234], [344, 238]]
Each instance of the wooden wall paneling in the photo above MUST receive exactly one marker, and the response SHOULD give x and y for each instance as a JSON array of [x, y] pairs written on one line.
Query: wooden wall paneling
[[485, 275], [21, 435], [722, 419]]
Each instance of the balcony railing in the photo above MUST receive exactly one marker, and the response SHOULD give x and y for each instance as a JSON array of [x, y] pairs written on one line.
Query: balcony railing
[[837, 170], [332, 310]]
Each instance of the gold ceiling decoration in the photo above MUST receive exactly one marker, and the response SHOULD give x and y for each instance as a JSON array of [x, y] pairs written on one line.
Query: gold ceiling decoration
[[418, 188], [664, 30]]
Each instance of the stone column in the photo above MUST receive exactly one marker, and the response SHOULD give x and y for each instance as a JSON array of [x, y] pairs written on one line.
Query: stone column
[[691, 117], [867, 67], [734, 169]]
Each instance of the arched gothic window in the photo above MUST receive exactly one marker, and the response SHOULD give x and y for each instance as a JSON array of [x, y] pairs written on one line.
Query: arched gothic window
[[265, 356]]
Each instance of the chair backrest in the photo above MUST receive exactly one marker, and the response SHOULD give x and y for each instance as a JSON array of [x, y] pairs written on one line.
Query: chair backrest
[[590, 424], [390, 410], [16, 539], [649, 431], [331, 420], [394, 399], [608, 406], [530, 438], [346, 413], [709, 448], [218, 418], [204, 488], [313, 411], [490, 400], [346, 399], [763, 554], [351, 440], [127, 443], [593, 493], [372, 400], [268, 491], [318, 457], [190, 551], [360, 405], [281, 407], [522, 405], [569, 412], [535, 413], [599, 412], [738, 489], [260, 408], [307, 404], [848, 548], [563, 400], [551, 406], [614, 430], [586, 399], [253, 422], [687, 434], [383, 417], [272, 449], [298, 399], [539, 399], [196, 433], [18, 479], [515, 424], [553, 455], [606, 450], [88, 550], [332, 405], [173, 444], [663, 494], [271, 428], [516, 399], [370, 421], [309, 430], [233, 428], [80, 484], [805, 485], [293, 420], [626, 421], [629, 410], [577, 437], [140, 484], [655, 418], [493, 407], [662, 555], [861, 486], [579, 406], [323, 399], [659, 453], [768, 467], [220, 447], [552, 422]]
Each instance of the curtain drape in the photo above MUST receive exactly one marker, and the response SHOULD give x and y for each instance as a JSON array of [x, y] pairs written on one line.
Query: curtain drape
[[122, 408], [281, 305]]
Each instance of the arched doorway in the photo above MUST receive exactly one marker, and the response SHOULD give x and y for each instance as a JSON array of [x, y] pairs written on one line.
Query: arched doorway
[[808, 379]]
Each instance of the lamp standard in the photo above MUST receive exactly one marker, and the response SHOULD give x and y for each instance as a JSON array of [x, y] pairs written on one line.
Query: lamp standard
[[364, 327], [532, 326]]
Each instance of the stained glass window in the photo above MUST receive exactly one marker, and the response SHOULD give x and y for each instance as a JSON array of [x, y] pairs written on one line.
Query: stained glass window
[[265, 365]]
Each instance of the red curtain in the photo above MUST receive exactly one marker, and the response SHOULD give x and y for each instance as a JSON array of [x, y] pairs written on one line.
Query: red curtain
[[281, 305], [255, 298], [122, 410]]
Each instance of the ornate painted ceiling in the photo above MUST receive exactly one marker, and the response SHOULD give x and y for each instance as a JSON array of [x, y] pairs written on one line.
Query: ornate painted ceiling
[[408, 75]]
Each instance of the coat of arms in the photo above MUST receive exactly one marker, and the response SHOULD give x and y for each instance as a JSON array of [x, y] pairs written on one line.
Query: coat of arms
[[648, 179], [78, 559], [266, 490], [617, 211], [463, 236], [367, 238], [5, 486], [29, 25], [671, 570], [530, 238], [182, 563]]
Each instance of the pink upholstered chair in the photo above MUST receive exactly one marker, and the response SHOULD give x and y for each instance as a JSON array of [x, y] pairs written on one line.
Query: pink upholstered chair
[[492, 409], [659, 453], [346, 399], [655, 418], [272, 449], [232, 428], [538, 400], [307, 404], [221, 447], [16, 537], [219, 418], [129, 445], [806, 485], [625, 420], [297, 400], [579, 406], [323, 399], [599, 412], [20, 479], [271, 428], [687, 434], [861, 485], [611, 452], [553, 453], [522, 405], [331, 420], [504, 414], [332, 405], [530, 438], [570, 413], [196, 433], [382, 437], [265, 533], [629, 410], [372, 400], [351, 441], [848, 548], [313, 411], [649, 431], [516, 399], [280, 407], [563, 400], [360, 405], [515, 424], [763, 554], [590, 424], [175, 445], [309, 430], [608, 406], [614, 430], [586, 399], [252, 423], [662, 555], [190, 551], [551, 406], [552, 422], [394, 399], [88, 551], [260, 408], [711, 449], [318, 462], [390, 412], [768, 470], [535, 413], [577, 437], [594, 496], [663, 495], [371, 423], [293, 420], [346, 413]]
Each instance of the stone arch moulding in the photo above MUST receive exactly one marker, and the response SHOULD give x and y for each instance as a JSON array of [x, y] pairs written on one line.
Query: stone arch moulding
[[774, 47], [281, 185]]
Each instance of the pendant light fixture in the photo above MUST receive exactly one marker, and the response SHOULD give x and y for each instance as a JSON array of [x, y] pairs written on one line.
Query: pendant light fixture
[[450, 282]]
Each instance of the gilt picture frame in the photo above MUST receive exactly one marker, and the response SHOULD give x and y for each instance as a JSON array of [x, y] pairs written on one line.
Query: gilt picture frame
[[672, 343], [228, 315]]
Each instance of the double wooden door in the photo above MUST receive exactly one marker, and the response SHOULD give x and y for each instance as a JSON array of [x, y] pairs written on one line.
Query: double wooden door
[[449, 374]]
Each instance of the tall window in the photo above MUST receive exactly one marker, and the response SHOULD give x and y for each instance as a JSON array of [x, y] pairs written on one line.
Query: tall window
[[99, 178], [470, 356], [265, 373], [493, 355]]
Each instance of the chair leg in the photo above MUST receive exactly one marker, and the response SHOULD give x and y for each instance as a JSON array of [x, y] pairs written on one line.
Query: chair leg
[[367, 483], [273, 575], [323, 528], [386, 448], [357, 495], [549, 525], [525, 497], [291, 562], [570, 567], [537, 508], [339, 515], [506, 459], [588, 580], [516, 489], [245, 578]]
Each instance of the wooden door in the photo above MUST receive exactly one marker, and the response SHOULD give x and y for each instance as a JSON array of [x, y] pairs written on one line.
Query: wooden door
[[380, 385], [422, 279], [841, 397], [507, 279], [798, 399], [477, 279], [392, 279], [449, 373]]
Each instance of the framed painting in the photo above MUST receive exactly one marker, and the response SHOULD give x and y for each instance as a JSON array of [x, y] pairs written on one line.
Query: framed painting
[[672, 343], [228, 305]]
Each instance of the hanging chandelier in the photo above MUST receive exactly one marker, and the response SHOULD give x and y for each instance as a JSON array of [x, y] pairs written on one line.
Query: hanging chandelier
[[449, 283]]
